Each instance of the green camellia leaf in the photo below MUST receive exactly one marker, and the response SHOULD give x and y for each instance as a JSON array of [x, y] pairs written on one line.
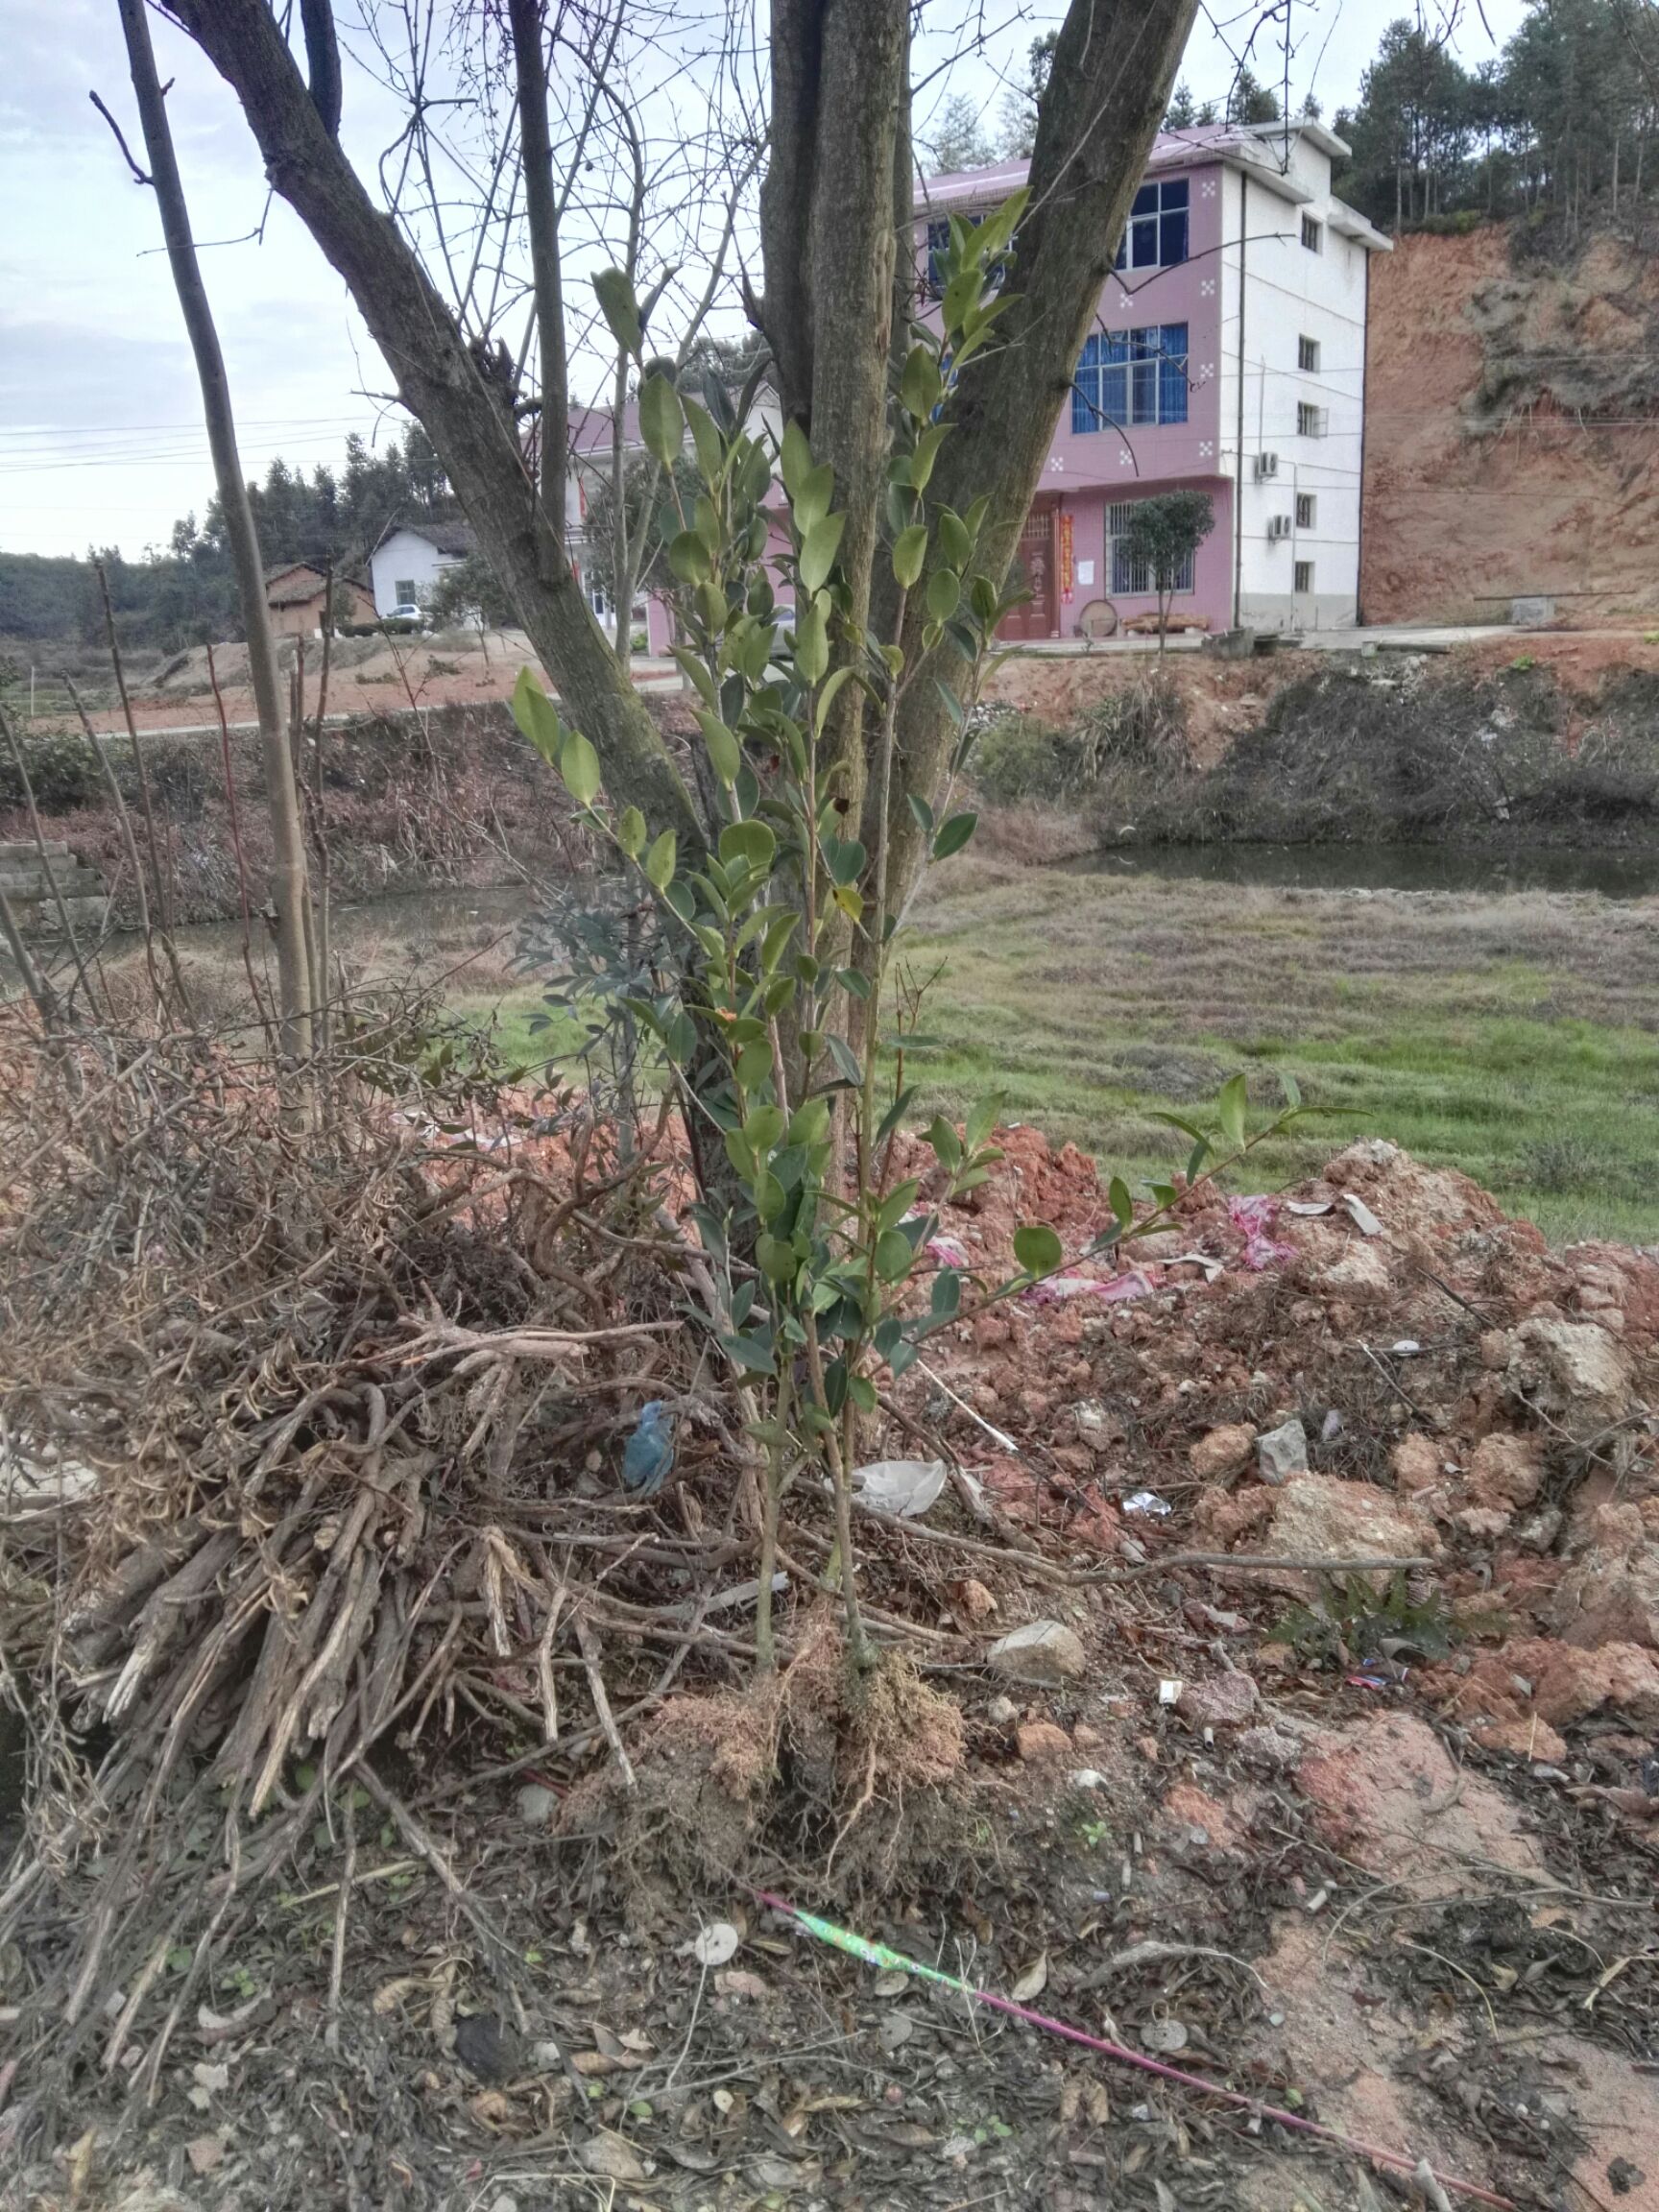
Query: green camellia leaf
[[927, 452], [920, 385], [537, 718], [981, 1121], [764, 1129], [947, 1294], [953, 834], [794, 459], [774, 1257], [579, 765], [630, 832], [818, 553], [706, 439], [659, 860], [1123, 1205], [688, 558], [954, 542], [749, 843], [662, 424], [1037, 1248], [909, 551], [813, 639], [724, 750], [846, 1065], [945, 1143], [812, 498], [944, 590], [620, 309], [811, 1125], [845, 857], [1230, 1108], [893, 1256]]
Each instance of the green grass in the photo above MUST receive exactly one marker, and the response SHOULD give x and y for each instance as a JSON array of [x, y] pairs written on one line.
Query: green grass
[[1511, 1037], [1515, 1037]]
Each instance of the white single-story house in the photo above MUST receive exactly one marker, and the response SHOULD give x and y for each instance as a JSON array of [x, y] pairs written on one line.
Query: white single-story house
[[410, 557]]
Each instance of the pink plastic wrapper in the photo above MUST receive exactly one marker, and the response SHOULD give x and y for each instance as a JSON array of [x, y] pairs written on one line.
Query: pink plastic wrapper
[[1254, 1219], [1058, 1288]]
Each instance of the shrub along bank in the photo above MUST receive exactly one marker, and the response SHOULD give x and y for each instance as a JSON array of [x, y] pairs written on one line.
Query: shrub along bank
[[1355, 752]]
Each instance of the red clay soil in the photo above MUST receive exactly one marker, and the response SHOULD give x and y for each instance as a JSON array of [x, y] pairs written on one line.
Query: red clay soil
[[1456, 522]]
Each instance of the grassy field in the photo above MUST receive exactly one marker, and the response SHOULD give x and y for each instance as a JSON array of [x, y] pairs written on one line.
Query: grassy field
[[1514, 1037]]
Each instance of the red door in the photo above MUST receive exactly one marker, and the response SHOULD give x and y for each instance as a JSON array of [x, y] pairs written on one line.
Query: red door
[[1034, 570]]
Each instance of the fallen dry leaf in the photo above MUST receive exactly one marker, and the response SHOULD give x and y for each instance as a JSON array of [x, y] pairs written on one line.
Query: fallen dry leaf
[[205, 2152], [491, 2107], [593, 2063], [390, 1994], [79, 2163], [1033, 1981], [609, 2156]]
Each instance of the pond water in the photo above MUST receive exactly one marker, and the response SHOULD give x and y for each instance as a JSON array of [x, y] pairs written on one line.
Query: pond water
[[1614, 874]]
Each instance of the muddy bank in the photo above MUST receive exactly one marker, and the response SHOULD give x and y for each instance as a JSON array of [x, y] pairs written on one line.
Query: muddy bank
[[1373, 751], [447, 796]]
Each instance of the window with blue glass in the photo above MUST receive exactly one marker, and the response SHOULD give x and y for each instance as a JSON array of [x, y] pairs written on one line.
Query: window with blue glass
[[1156, 237], [1131, 377]]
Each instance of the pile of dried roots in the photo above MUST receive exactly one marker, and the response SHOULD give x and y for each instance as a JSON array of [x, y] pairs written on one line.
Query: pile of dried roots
[[309, 1435]]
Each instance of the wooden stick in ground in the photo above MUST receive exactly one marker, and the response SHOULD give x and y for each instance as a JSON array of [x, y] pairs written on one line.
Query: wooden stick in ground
[[62, 904], [235, 818], [129, 843], [342, 1907], [158, 874], [289, 889], [47, 1003], [591, 1655], [323, 1011]]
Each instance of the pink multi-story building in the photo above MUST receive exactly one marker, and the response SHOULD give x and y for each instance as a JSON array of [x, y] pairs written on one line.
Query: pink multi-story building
[[1227, 356]]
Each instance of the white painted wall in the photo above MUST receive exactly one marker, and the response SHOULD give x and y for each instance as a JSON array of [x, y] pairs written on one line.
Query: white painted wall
[[1292, 293], [404, 558]]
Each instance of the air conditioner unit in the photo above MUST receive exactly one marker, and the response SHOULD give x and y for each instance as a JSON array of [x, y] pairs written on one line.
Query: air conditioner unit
[[1267, 465], [1279, 526]]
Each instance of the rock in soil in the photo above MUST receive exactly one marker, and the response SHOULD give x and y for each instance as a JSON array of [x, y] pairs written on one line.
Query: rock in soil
[[1573, 1370], [1223, 1452], [1321, 1517], [1282, 1452], [1038, 1651], [1224, 1701]]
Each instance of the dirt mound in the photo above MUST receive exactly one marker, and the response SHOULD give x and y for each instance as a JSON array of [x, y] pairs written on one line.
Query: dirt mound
[[1511, 440]]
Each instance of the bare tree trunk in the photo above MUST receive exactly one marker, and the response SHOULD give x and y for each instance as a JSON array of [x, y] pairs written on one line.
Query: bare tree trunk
[[288, 885], [542, 208]]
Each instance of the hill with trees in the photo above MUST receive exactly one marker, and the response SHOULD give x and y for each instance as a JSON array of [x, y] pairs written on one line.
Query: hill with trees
[[185, 593]]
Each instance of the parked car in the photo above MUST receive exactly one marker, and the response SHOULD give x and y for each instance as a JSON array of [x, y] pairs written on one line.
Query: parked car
[[405, 612]]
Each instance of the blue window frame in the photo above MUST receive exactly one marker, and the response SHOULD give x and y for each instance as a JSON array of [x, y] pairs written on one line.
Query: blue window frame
[[1156, 237], [1131, 377]]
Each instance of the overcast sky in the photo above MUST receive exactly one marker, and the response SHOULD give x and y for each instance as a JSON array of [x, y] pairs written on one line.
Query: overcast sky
[[100, 415]]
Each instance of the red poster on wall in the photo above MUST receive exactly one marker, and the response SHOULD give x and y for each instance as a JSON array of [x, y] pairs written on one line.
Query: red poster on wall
[[1068, 569]]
